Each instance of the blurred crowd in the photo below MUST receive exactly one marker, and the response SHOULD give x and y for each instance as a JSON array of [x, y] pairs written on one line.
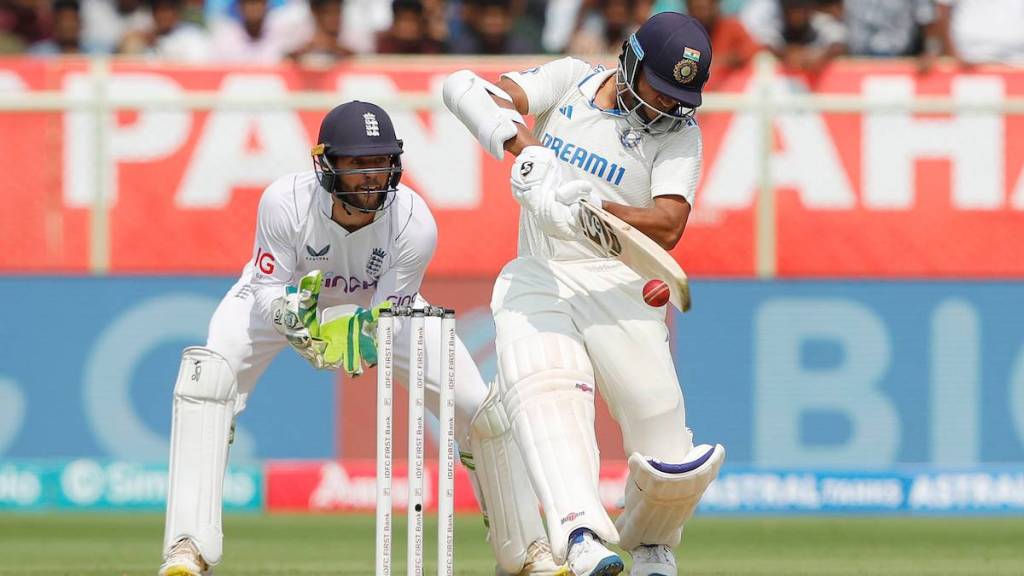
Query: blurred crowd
[[804, 34]]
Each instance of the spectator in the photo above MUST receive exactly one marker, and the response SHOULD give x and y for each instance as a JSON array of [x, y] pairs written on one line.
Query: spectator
[[604, 31], [409, 31], [488, 30], [560, 21], [293, 24], [194, 13], [887, 27], [324, 48], [733, 46], [804, 34], [437, 14], [67, 31], [106, 22], [362, 21], [763, 21], [982, 31], [247, 40], [21, 24], [171, 38]]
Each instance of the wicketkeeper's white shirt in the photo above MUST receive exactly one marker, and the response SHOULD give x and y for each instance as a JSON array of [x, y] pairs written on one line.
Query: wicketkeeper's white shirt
[[385, 260], [589, 144]]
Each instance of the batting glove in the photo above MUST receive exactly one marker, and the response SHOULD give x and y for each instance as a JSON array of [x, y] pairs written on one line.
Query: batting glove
[[572, 193], [536, 183]]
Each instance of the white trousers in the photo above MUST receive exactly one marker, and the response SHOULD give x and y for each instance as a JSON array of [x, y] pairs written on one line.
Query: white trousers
[[561, 325], [600, 304]]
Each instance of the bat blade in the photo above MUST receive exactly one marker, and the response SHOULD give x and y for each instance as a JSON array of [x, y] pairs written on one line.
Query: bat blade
[[614, 238]]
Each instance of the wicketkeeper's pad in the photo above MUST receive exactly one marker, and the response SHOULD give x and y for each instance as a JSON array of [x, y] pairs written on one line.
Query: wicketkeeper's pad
[[204, 407]]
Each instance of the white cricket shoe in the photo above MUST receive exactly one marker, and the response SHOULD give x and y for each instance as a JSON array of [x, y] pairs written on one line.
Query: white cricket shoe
[[653, 561], [539, 562], [183, 559], [589, 557]]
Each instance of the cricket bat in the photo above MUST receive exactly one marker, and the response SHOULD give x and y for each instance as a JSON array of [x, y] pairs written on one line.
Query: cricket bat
[[614, 238]]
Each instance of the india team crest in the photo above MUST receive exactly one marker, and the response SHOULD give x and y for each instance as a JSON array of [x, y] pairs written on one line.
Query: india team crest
[[685, 71]]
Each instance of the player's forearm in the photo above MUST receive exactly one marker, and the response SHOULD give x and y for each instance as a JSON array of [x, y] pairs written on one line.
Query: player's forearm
[[663, 223], [523, 137]]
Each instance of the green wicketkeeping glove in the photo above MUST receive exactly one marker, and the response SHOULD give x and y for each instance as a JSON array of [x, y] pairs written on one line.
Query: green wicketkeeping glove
[[295, 316], [309, 295], [350, 334]]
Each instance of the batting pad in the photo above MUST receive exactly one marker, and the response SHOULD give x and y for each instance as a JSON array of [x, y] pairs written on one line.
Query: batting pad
[[204, 404], [512, 507], [661, 497], [548, 391]]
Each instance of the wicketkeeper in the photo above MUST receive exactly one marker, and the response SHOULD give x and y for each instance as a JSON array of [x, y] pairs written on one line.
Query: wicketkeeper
[[333, 246], [568, 320]]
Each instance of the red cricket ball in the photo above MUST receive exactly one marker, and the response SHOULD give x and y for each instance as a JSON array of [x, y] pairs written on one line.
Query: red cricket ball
[[656, 293]]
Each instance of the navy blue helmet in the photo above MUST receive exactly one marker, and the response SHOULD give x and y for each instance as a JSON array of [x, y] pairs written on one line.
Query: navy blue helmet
[[356, 129], [674, 52]]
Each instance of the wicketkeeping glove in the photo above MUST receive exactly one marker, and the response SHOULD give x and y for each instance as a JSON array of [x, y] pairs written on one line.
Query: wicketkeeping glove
[[295, 316], [350, 334]]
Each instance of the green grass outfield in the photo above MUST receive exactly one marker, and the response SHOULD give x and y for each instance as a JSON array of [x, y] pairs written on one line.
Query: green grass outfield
[[116, 544]]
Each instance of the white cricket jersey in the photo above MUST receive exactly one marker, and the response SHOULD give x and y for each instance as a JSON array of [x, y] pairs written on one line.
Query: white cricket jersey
[[384, 260], [588, 142]]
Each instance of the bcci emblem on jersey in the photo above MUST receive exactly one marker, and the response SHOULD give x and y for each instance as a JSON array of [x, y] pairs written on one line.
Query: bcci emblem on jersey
[[373, 265]]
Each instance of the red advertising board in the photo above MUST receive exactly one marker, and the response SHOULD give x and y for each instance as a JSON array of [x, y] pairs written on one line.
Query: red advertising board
[[350, 486], [878, 194]]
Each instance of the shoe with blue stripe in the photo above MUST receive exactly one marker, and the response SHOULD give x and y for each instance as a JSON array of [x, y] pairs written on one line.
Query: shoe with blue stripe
[[589, 557]]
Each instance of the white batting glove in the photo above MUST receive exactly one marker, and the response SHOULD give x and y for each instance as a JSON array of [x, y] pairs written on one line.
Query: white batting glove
[[534, 171], [573, 192], [536, 180]]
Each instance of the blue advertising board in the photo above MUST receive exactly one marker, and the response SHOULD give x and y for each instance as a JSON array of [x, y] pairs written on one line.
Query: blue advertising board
[[87, 484], [87, 369], [995, 490], [855, 375], [817, 375]]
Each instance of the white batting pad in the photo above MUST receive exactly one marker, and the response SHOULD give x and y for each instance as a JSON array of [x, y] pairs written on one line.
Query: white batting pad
[[204, 404], [510, 504], [661, 497], [547, 386]]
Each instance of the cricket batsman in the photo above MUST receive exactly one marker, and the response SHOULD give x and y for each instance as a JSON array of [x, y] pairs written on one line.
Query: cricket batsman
[[568, 320], [334, 246]]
